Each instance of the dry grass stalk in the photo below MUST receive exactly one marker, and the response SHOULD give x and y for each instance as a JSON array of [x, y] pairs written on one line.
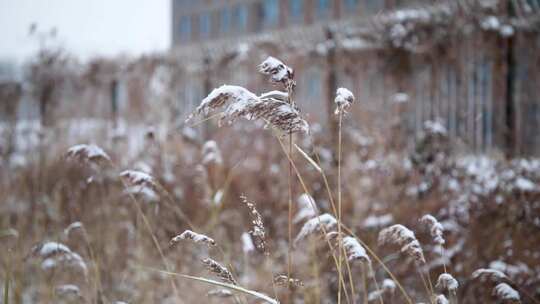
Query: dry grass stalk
[[193, 236], [257, 232], [219, 270], [405, 238]]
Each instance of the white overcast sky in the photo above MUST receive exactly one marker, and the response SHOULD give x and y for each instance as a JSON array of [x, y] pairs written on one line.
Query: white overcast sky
[[86, 28]]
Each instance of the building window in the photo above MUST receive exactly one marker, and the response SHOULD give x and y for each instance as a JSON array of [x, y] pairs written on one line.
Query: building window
[[225, 20], [296, 9], [240, 18], [185, 28], [270, 13], [350, 4], [323, 8], [204, 26]]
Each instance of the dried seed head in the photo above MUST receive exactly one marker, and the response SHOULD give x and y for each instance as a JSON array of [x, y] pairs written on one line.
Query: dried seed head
[[446, 282], [403, 237], [278, 71], [316, 224], [195, 237], [492, 274], [257, 232], [239, 102], [441, 299], [220, 271], [344, 99], [284, 280], [435, 228], [48, 249], [505, 292], [219, 293], [85, 152], [354, 250]]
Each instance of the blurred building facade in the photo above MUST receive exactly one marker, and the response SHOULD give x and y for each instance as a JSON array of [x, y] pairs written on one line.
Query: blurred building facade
[[403, 60]]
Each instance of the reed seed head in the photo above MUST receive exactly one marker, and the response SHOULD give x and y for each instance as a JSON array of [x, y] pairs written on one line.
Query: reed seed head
[[220, 271], [405, 238], [435, 228], [344, 99], [194, 237]]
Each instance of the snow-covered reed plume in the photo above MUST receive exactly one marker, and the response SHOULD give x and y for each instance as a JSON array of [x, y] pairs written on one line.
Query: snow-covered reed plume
[[219, 293], [241, 103], [55, 255], [211, 153], [388, 287], [435, 228], [306, 205], [85, 152], [284, 280], [403, 237], [219, 270], [446, 282], [135, 177], [73, 226], [278, 71], [505, 292], [441, 299], [195, 237], [257, 232], [493, 275], [67, 290], [344, 99], [316, 224], [354, 250]]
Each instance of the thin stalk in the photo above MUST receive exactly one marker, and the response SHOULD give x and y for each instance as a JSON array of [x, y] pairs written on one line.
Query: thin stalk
[[253, 293], [323, 229], [340, 237]]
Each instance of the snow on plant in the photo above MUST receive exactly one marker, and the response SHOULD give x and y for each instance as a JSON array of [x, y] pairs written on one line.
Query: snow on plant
[[55, 255], [505, 292], [278, 71], [275, 108], [388, 287], [344, 99], [85, 152], [73, 226], [306, 208], [219, 293], [138, 178], [441, 299], [446, 282], [403, 237], [247, 243], [315, 224], [211, 153], [354, 250], [67, 290], [492, 274], [435, 228], [195, 237]]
